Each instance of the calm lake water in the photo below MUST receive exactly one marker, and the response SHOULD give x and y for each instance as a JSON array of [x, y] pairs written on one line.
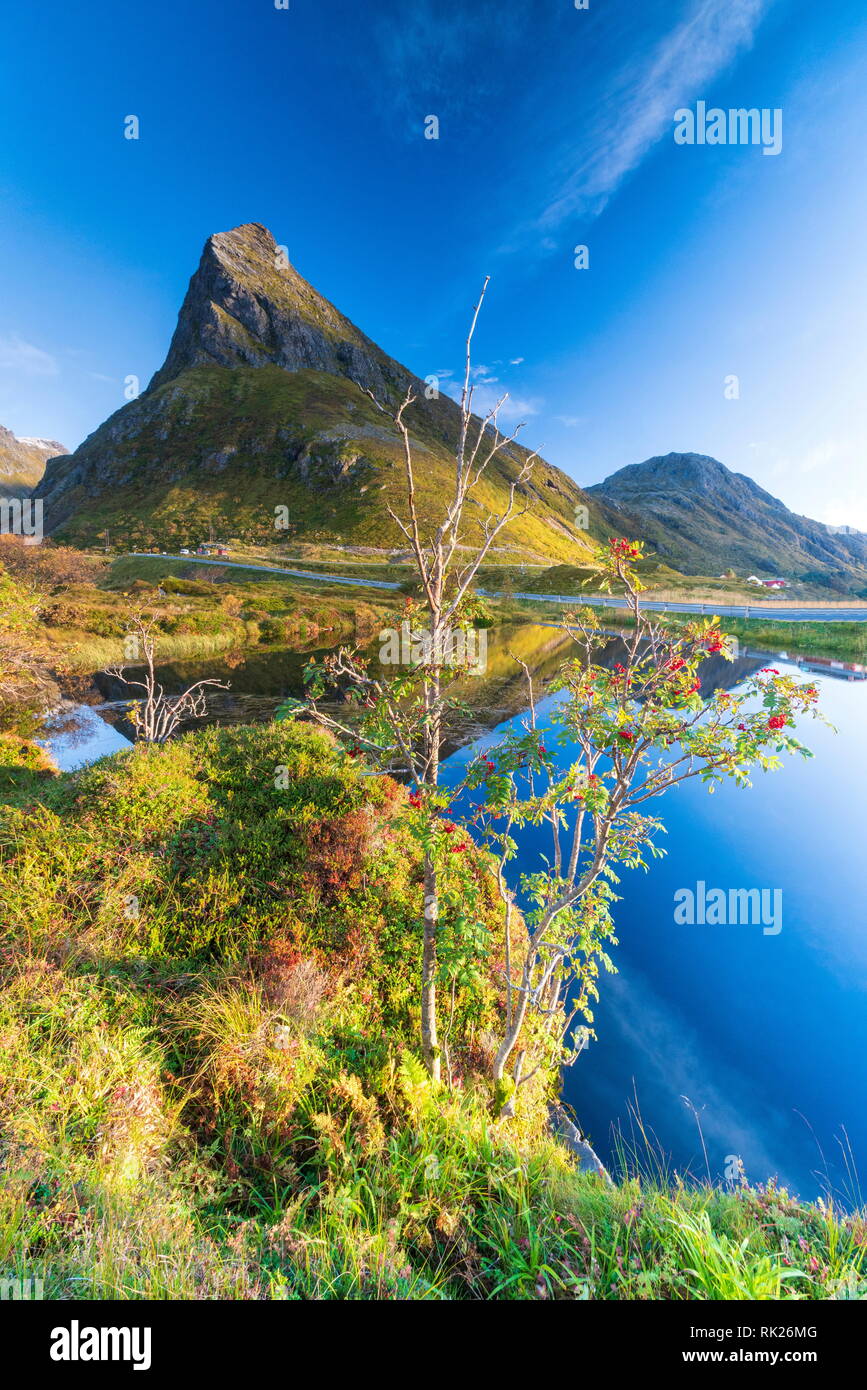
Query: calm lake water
[[763, 1036]]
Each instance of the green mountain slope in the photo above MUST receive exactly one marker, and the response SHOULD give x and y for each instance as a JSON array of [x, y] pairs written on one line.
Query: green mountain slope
[[261, 404], [703, 519]]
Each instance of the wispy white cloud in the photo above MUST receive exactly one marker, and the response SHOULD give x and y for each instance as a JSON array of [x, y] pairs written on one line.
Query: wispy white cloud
[[480, 375], [823, 455], [18, 355], [485, 398], [637, 107], [675, 1063]]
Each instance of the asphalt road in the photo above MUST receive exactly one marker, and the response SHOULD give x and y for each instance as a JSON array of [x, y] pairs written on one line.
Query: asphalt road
[[774, 613]]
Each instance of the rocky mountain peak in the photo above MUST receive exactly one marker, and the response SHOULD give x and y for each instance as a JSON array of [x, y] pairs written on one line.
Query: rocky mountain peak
[[247, 306], [702, 518], [258, 404], [23, 460], [697, 473]]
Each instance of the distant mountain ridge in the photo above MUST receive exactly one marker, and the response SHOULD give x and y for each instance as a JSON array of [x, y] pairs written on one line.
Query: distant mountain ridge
[[701, 518], [261, 402], [22, 462]]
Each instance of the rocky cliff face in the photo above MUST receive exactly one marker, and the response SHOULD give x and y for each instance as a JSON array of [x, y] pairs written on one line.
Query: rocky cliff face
[[261, 402], [702, 519], [247, 306], [22, 462]]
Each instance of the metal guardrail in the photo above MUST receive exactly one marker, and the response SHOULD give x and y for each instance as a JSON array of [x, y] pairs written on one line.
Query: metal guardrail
[[798, 615]]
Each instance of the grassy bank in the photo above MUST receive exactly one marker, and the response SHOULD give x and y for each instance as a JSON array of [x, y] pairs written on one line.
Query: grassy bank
[[842, 641], [209, 1084], [845, 640], [22, 762], [202, 612]]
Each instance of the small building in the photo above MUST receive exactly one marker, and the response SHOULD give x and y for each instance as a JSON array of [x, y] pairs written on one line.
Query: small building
[[754, 579], [212, 548], [776, 583]]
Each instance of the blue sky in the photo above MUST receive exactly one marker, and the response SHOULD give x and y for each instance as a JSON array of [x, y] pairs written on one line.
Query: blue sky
[[556, 130]]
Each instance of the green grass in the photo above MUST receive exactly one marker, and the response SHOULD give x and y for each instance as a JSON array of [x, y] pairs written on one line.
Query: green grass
[[208, 1076], [845, 640], [661, 583], [23, 763], [202, 613], [225, 447]]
